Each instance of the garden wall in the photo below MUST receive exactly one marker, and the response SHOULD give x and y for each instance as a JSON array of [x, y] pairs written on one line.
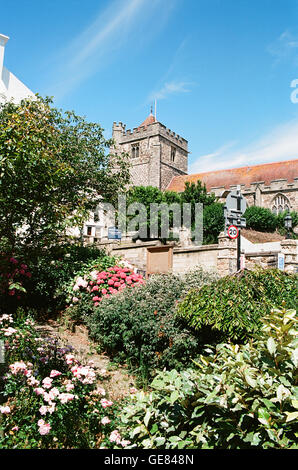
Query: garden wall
[[220, 258]]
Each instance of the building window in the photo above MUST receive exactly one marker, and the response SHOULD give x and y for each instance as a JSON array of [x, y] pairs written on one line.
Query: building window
[[89, 231], [280, 204], [173, 154], [135, 150]]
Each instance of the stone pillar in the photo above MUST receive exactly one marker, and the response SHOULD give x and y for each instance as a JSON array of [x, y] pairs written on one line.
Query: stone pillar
[[185, 237], [289, 248], [227, 255]]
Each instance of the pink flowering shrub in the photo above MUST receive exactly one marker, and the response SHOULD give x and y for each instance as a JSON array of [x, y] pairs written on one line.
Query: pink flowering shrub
[[13, 276], [52, 403], [90, 289]]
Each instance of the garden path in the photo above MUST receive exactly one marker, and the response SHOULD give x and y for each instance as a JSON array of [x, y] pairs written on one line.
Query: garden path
[[117, 380]]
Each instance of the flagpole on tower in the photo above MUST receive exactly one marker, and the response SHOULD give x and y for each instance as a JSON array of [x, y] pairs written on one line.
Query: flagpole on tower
[[155, 109]]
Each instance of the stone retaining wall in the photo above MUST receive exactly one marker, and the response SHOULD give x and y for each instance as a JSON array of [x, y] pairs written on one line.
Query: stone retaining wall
[[221, 258]]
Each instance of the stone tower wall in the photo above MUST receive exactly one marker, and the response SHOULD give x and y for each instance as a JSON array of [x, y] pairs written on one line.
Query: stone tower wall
[[153, 167]]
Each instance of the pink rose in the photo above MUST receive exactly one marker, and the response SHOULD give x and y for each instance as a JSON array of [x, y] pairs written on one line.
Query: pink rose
[[44, 428], [105, 420], [115, 437], [55, 373], [105, 403], [47, 382], [5, 410]]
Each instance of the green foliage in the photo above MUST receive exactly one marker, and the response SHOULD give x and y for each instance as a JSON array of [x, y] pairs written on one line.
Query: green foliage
[[138, 325], [53, 271], [14, 276], [193, 193], [147, 195], [213, 223], [261, 219], [232, 307], [54, 169], [197, 193], [280, 221], [241, 397]]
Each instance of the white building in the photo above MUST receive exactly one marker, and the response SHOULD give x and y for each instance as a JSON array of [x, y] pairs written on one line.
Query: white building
[[11, 88]]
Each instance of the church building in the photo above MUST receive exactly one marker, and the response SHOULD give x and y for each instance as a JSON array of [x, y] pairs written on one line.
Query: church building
[[159, 158], [157, 154]]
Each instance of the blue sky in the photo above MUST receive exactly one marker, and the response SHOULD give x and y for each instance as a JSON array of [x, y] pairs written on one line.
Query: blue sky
[[221, 70]]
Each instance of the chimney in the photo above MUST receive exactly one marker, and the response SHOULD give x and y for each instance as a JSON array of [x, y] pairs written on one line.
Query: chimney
[[3, 41]]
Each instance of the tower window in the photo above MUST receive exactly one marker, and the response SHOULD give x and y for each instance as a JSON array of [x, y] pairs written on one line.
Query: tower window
[[173, 154], [135, 150]]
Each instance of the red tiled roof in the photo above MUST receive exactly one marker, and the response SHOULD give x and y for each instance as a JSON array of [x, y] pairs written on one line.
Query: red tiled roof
[[149, 120], [266, 172]]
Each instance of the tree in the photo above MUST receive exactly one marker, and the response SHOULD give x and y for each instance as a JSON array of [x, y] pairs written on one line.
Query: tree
[[197, 193], [193, 193], [147, 195], [213, 222], [54, 168]]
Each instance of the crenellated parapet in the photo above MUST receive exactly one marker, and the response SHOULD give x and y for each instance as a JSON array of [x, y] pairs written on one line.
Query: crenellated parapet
[[123, 135]]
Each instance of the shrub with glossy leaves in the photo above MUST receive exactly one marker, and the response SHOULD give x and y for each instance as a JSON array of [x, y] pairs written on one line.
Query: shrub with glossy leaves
[[239, 397], [232, 307]]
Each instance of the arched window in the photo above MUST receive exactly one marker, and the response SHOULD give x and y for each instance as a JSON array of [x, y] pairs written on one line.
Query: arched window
[[280, 204]]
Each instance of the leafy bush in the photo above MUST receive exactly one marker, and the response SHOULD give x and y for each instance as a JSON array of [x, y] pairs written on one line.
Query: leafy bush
[[138, 325], [280, 221], [240, 396], [14, 275], [49, 399], [232, 307], [213, 222], [260, 219], [53, 272]]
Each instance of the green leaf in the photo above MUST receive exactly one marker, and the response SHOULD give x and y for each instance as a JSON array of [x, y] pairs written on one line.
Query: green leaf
[[147, 418], [174, 396], [160, 441], [154, 429], [271, 345], [249, 379], [295, 404], [291, 416], [263, 416]]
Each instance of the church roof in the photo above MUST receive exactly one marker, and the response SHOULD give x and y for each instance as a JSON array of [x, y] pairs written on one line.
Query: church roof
[[149, 120], [266, 173]]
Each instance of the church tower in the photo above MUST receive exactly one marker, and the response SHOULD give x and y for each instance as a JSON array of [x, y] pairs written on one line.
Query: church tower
[[156, 153]]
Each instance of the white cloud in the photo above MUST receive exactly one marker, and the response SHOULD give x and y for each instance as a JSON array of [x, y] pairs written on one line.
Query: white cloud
[[108, 35], [285, 48], [170, 88], [278, 145]]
